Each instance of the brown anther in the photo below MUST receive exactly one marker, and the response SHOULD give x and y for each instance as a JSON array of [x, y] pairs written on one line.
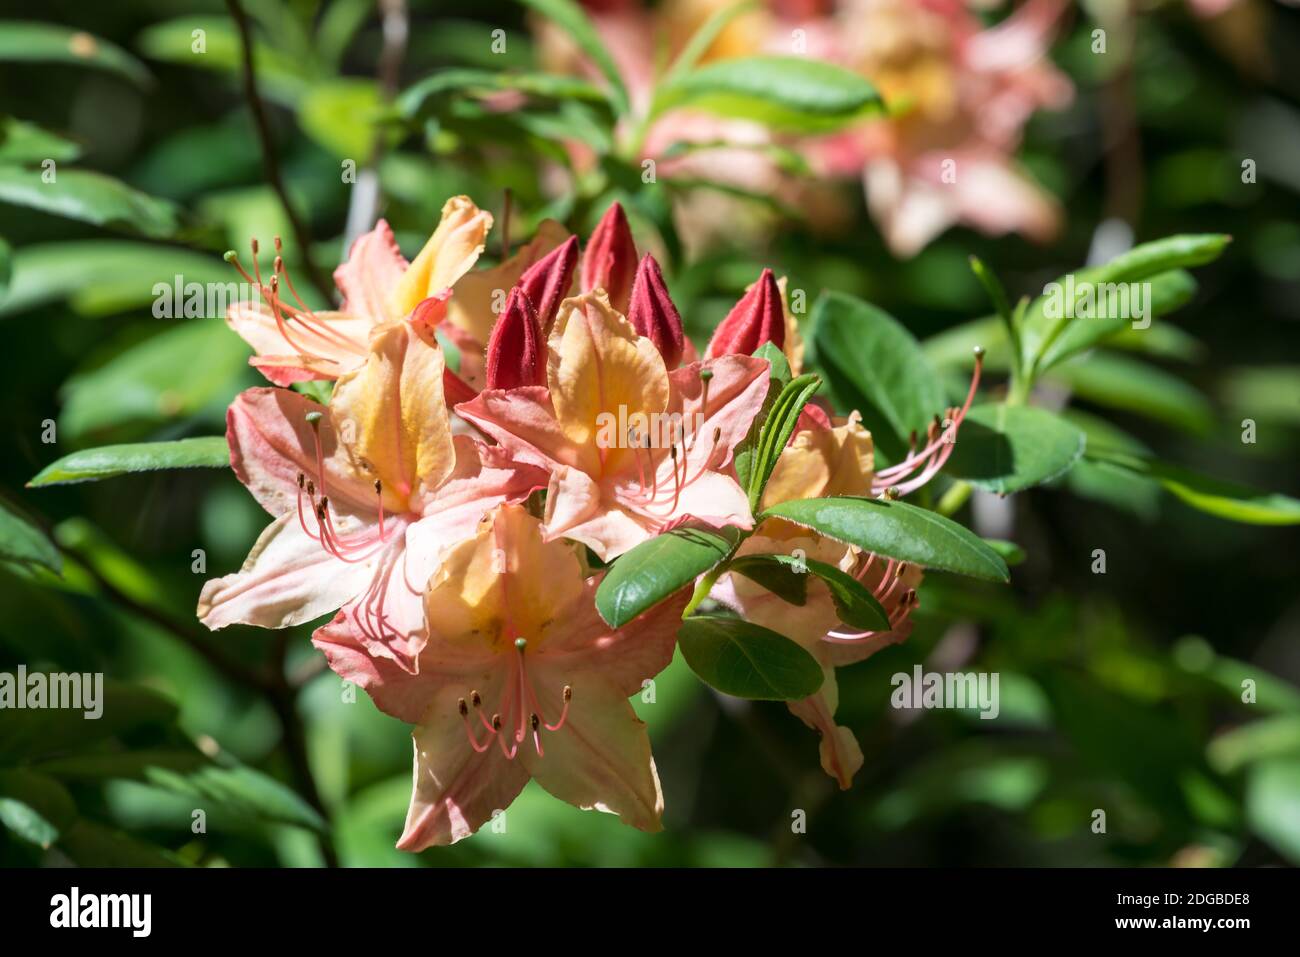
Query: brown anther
[[311, 487], [496, 722], [536, 721], [379, 487], [474, 697], [278, 244], [302, 479], [568, 693], [462, 707], [252, 244], [324, 502], [673, 452]]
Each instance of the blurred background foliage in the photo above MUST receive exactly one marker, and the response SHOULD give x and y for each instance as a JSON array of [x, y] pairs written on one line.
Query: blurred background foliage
[[1120, 691]]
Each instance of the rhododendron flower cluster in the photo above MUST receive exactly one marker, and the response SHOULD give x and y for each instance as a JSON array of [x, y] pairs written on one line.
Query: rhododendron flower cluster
[[458, 522]]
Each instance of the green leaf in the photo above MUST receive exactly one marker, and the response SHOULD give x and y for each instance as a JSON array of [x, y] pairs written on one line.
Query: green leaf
[[22, 144], [156, 381], [1140, 262], [22, 541], [431, 94], [109, 461], [281, 78], [657, 568], [89, 198], [746, 458], [789, 92], [1237, 503], [875, 365], [898, 530], [103, 276], [1273, 804], [232, 791], [778, 426], [46, 43], [1168, 291], [1132, 385], [571, 18], [1005, 448], [745, 660], [341, 116], [856, 605], [35, 807]]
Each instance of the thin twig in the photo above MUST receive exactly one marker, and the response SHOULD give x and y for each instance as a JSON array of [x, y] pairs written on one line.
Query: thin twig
[[270, 161]]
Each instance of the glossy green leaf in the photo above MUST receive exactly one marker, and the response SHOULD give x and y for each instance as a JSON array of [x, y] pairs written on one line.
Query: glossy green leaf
[[856, 605], [22, 541], [789, 92], [875, 365], [778, 426], [898, 530], [31, 42], [745, 660], [1161, 295], [23, 144], [34, 807], [1230, 500], [89, 198], [1041, 327], [1004, 448], [109, 461], [746, 459], [657, 568]]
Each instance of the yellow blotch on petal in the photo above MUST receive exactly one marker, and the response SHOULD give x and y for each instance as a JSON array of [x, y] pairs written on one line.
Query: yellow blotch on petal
[[601, 373], [450, 252], [823, 462], [504, 583], [391, 416]]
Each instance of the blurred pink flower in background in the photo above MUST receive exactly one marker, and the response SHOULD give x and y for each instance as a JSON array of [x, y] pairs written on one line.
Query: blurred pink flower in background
[[959, 95]]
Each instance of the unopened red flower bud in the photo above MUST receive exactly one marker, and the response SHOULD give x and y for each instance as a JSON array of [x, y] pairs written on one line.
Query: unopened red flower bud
[[609, 261], [547, 281], [653, 314], [757, 318], [514, 354]]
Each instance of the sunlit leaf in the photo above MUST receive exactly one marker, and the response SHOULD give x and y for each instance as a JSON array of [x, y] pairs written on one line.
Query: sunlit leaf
[[745, 660], [108, 461]]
